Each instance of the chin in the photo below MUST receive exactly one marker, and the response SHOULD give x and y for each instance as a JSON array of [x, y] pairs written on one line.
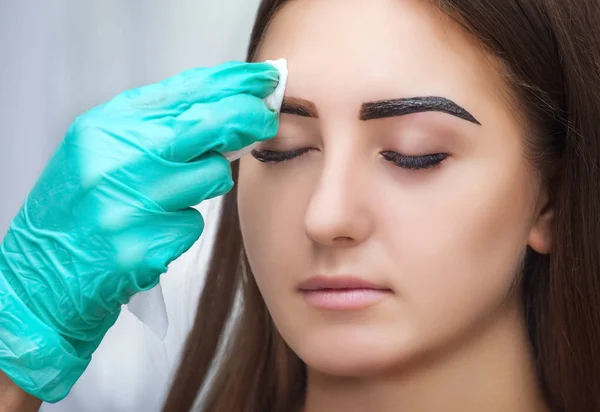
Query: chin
[[347, 365], [358, 357]]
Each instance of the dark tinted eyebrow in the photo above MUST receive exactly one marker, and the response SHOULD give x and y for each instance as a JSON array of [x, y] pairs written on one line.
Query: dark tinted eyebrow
[[400, 107], [299, 107]]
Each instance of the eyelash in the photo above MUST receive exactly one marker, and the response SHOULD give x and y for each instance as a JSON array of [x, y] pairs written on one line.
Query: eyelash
[[272, 156], [415, 162], [400, 160]]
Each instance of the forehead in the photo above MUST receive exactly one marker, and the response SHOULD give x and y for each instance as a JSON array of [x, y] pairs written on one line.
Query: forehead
[[344, 50]]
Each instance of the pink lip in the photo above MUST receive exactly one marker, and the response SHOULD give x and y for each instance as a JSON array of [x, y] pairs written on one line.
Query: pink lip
[[342, 292]]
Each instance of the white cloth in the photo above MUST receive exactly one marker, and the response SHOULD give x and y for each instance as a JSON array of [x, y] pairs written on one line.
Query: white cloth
[[132, 368]]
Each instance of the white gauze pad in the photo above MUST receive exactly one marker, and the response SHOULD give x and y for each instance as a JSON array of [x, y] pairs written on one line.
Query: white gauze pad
[[149, 306], [273, 102]]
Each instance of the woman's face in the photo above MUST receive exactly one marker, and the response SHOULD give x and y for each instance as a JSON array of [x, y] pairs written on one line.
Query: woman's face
[[368, 254]]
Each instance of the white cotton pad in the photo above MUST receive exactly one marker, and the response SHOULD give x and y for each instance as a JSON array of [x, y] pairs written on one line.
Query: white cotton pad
[[149, 306], [273, 102]]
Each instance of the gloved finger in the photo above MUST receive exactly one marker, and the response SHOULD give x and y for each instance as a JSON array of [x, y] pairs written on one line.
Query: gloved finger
[[203, 85], [160, 242], [188, 184], [223, 126]]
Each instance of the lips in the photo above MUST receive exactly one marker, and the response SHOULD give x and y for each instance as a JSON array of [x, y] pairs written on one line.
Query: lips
[[338, 282], [342, 292]]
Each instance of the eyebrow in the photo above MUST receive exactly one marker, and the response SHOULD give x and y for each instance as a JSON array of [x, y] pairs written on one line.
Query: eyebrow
[[401, 107], [385, 108], [299, 107]]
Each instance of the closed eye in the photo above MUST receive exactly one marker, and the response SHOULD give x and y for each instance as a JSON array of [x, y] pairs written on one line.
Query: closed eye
[[273, 156], [415, 162]]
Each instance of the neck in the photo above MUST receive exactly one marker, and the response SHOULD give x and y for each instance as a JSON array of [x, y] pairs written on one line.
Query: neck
[[492, 371]]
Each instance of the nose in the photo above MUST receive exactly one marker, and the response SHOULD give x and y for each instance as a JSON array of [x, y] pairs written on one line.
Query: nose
[[338, 213]]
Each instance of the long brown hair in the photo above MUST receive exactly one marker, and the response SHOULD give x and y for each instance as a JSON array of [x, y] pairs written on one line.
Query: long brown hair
[[551, 53]]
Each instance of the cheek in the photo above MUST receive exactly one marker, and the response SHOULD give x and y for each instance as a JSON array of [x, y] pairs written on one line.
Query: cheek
[[457, 240], [272, 207]]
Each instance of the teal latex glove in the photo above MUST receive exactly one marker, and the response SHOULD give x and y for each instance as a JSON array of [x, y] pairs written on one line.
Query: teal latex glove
[[112, 210]]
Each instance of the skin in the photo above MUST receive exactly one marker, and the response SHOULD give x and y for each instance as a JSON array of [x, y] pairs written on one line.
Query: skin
[[448, 241], [14, 399]]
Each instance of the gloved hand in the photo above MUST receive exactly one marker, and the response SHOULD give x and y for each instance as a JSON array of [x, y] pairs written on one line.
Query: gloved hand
[[112, 210]]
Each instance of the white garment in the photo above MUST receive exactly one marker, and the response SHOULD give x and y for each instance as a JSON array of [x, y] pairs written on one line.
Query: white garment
[[132, 369]]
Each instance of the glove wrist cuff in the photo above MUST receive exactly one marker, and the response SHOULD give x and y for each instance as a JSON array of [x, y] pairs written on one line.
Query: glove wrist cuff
[[32, 354]]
